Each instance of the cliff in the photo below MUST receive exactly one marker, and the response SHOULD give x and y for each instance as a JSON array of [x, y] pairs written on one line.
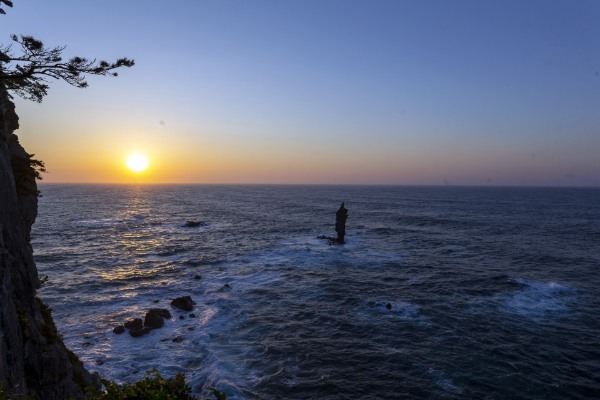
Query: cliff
[[33, 358]]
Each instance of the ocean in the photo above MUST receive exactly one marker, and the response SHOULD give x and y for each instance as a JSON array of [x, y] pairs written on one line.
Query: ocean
[[439, 292]]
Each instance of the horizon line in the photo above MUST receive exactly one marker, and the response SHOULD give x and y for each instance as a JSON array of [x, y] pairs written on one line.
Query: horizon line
[[489, 185]]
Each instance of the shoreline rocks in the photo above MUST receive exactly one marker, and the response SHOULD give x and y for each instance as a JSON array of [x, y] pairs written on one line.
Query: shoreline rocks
[[134, 324], [119, 329], [154, 318]]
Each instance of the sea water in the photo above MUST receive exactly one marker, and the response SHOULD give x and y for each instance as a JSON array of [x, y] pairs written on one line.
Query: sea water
[[439, 293]]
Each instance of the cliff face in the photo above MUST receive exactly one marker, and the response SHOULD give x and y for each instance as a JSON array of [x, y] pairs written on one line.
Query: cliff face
[[33, 358]]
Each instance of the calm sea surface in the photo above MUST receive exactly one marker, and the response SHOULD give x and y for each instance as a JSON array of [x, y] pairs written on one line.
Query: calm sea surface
[[495, 292]]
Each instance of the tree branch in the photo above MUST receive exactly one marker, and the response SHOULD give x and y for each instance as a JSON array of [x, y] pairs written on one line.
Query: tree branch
[[24, 74]]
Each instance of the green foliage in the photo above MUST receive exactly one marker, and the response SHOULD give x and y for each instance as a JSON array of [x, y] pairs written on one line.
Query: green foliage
[[218, 395], [152, 387]]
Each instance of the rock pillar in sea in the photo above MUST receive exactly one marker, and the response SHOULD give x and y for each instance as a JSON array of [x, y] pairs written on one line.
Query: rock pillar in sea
[[340, 223]]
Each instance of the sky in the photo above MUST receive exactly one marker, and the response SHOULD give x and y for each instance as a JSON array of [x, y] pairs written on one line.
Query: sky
[[321, 92]]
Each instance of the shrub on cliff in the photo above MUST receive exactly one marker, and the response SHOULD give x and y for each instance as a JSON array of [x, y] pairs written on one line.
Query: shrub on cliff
[[153, 387]]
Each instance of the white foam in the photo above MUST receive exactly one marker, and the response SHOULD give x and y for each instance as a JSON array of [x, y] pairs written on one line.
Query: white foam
[[159, 258], [537, 299], [100, 222]]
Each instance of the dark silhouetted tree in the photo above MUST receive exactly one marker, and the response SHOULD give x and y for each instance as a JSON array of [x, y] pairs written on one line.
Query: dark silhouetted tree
[[27, 72], [7, 2]]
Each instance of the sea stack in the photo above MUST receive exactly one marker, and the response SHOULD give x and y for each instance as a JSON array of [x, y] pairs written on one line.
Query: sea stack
[[340, 223]]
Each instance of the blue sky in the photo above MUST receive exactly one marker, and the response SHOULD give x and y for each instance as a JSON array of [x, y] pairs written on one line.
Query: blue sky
[[397, 92]]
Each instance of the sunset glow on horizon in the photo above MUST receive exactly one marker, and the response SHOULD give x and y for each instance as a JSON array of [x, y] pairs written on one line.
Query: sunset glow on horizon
[[464, 93]]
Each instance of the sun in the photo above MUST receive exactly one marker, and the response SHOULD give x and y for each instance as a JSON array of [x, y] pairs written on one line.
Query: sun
[[137, 162]]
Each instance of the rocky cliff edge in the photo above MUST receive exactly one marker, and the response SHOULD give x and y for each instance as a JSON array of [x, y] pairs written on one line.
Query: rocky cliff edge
[[33, 358]]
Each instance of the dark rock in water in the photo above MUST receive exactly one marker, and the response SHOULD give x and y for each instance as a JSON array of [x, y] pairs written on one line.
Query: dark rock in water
[[153, 320], [340, 227], [193, 224], [177, 339], [330, 240], [181, 317], [388, 306], [163, 312], [197, 277], [155, 301], [140, 332], [134, 324], [225, 288], [119, 329], [192, 315], [184, 303], [340, 223]]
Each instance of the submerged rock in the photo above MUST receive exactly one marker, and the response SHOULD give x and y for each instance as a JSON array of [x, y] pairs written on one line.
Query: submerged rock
[[177, 339], [193, 224], [225, 288], [184, 303]]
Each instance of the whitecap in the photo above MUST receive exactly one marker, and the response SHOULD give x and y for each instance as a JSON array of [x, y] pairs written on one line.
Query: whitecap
[[537, 299], [99, 223]]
